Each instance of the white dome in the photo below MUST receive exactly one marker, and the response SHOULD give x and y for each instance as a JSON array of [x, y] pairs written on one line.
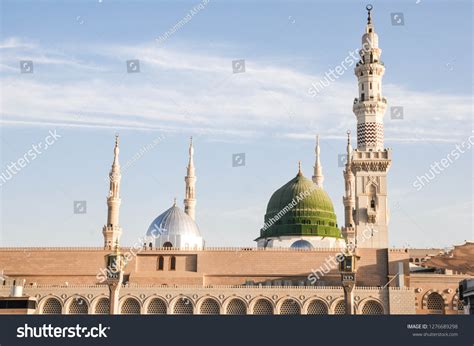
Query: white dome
[[176, 227]]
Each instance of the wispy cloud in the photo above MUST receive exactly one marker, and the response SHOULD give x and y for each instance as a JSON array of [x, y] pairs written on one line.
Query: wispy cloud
[[185, 90]]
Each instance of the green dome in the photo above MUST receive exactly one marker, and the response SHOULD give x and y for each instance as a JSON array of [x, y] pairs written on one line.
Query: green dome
[[300, 208]]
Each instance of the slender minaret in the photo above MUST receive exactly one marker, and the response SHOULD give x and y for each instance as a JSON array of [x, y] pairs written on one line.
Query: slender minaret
[[190, 179], [348, 200], [370, 161], [370, 106], [318, 176], [112, 230]]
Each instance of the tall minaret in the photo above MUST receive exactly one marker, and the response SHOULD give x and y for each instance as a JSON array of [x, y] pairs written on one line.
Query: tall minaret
[[318, 176], [370, 107], [112, 230], [370, 161], [190, 179], [348, 200]]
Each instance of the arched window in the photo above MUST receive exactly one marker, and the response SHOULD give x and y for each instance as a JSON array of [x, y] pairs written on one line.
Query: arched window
[[167, 244], [52, 306], [435, 302], [317, 307], [290, 307], [236, 307], [173, 263], [161, 263], [156, 307], [183, 307], [372, 203], [78, 306], [131, 306], [372, 308], [102, 306], [209, 307], [340, 308], [263, 307]]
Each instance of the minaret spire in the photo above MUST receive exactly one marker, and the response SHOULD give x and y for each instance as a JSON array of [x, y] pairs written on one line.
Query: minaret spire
[[318, 176], [369, 16], [190, 179], [112, 230]]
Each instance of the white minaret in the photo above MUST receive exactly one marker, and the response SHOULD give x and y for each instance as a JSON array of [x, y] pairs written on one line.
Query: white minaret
[[190, 179], [348, 200], [112, 230], [318, 176], [370, 161]]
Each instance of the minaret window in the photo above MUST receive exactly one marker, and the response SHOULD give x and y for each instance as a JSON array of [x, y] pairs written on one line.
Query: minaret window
[[372, 203], [370, 85]]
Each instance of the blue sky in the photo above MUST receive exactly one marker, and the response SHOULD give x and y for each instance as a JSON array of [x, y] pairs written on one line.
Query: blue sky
[[81, 89]]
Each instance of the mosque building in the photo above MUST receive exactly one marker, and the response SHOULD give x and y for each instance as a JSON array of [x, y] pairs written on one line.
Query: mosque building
[[304, 262]]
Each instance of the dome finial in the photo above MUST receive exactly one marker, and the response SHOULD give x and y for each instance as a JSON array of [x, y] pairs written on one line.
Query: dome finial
[[299, 168], [174, 202], [369, 8]]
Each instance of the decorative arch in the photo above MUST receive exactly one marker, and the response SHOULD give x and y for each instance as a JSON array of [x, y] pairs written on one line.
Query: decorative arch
[[434, 298], [51, 305], [182, 305], [338, 307], [76, 305], [316, 306], [371, 306], [130, 305], [235, 306], [208, 305], [155, 305], [100, 305], [262, 306], [288, 306]]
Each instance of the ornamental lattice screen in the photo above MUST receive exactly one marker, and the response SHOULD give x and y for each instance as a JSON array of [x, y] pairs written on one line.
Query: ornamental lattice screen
[[209, 307], [156, 307], [317, 307], [78, 306], [102, 307], [52, 306], [130, 307], [236, 307], [263, 307]]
